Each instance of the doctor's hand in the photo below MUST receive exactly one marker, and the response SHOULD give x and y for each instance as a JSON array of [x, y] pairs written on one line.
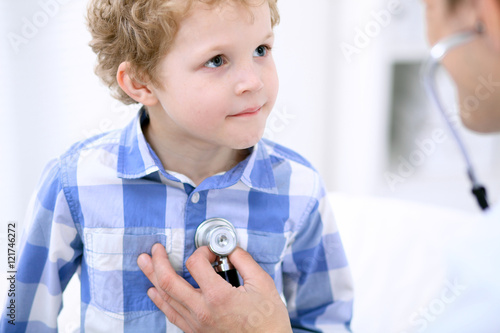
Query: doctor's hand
[[216, 306]]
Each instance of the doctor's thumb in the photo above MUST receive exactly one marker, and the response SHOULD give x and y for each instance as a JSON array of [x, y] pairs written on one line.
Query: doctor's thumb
[[248, 268]]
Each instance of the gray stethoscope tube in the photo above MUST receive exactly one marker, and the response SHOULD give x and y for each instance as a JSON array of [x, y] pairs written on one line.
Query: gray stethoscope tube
[[437, 53]]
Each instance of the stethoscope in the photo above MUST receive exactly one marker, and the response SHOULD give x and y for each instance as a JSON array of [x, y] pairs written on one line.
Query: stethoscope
[[220, 237], [437, 53]]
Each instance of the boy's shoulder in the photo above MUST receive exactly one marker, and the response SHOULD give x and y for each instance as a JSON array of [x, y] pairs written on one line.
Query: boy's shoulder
[[277, 151], [108, 141], [293, 173], [83, 163], [91, 157]]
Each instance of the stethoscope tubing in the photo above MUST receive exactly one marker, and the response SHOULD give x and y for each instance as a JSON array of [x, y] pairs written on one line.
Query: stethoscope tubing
[[437, 53]]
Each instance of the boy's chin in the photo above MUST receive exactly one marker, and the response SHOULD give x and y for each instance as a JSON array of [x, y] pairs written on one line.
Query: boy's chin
[[246, 143]]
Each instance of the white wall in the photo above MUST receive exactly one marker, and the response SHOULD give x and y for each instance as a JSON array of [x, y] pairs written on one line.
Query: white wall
[[52, 98], [303, 57], [359, 98]]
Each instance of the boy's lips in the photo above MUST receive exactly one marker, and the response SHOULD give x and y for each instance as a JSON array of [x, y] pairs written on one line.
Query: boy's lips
[[247, 112]]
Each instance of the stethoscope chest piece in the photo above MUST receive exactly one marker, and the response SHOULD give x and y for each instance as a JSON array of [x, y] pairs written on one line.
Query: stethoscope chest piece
[[218, 234], [220, 237]]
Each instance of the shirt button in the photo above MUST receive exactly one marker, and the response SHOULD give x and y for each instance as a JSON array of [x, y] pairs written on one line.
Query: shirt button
[[195, 198]]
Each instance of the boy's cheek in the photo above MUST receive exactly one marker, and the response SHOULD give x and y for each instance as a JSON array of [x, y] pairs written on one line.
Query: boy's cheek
[[272, 81]]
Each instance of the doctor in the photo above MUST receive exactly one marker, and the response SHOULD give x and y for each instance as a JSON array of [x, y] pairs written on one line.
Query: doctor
[[474, 264]]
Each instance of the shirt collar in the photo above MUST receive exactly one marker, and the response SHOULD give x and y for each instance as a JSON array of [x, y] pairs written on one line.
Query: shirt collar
[[258, 173], [136, 160]]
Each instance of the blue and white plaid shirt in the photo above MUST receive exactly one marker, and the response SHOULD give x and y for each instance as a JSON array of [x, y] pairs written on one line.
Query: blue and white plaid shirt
[[108, 199]]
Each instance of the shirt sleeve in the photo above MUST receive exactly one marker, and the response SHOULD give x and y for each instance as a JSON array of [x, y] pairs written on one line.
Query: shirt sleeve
[[49, 254], [317, 280]]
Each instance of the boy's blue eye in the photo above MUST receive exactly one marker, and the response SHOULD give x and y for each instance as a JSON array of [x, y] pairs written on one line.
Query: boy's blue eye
[[261, 51], [219, 60], [215, 62]]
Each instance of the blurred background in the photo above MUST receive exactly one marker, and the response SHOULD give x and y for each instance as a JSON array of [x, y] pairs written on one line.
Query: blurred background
[[351, 101]]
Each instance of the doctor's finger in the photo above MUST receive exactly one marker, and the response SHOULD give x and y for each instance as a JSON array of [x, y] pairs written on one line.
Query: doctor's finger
[[145, 262], [174, 286], [248, 268], [200, 267], [173, 316]]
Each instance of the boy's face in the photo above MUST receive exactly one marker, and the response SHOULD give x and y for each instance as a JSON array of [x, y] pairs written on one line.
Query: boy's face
[[218, 80]]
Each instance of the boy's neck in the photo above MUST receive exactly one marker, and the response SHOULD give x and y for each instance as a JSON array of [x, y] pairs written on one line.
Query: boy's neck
[[196, 162]]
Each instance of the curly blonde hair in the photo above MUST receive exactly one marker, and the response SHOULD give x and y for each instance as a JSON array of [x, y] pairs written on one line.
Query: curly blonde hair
[[141, 32]]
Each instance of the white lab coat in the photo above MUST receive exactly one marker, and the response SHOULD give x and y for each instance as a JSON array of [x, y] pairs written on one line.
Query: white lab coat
[[473, 269]]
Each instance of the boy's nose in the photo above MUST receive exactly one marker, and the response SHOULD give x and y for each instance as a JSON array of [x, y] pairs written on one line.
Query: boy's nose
[[249, 79]]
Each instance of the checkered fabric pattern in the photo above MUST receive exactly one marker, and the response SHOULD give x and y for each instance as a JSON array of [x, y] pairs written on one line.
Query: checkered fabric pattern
[[109, 199]]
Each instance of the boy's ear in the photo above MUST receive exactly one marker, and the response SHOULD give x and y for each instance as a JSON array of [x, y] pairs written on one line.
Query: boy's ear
[[490, 16], [137, 90]]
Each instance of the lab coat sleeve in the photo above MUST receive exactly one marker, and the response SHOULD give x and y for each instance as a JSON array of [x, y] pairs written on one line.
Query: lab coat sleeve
[[317, 279], [49, 254]]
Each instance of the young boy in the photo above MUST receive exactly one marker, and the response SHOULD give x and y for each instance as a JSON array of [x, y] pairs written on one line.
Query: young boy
[[204, 73]]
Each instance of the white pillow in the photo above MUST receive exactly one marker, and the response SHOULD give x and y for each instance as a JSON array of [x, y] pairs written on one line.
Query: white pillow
[[397, 253]]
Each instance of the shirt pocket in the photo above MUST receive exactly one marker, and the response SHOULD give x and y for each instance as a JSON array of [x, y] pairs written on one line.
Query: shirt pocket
[[266, 248], [117, 285]]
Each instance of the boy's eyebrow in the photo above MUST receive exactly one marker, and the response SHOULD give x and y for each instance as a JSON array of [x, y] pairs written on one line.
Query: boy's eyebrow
[[269, 35], [219, 47]]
